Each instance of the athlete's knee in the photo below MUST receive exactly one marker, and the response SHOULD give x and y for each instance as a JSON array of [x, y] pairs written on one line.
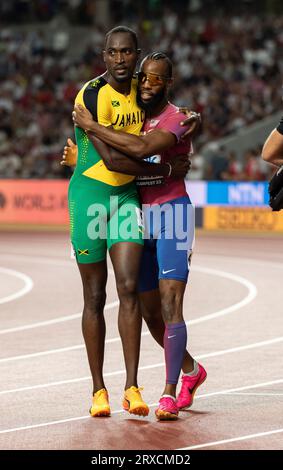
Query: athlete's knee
[[171, 305], [126, 288]]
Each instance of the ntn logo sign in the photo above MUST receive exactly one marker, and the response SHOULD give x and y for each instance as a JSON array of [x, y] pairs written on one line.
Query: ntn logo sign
[[247, 193]]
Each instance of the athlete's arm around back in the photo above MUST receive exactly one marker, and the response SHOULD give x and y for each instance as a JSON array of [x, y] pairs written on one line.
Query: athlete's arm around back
[[116, 161], [136, 146]]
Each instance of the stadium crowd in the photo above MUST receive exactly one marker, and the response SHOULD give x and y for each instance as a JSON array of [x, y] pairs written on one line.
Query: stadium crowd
[[227, 68]]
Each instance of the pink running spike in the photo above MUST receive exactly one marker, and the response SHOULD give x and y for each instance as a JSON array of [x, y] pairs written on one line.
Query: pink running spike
[[189, 387], [167, 409]]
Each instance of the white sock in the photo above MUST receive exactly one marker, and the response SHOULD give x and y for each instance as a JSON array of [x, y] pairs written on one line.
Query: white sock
[[194, 371], [169, 396]]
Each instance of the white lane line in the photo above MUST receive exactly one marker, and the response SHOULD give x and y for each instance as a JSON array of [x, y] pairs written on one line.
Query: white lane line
[[256, 262], [52, 322], [78, 315], [240, 389], [39, 324], [252, 292], [234, 439], [67, 262], [50, 423], [43, 353], [146, 333], [152, 366], [259, 344], [222, 392], [57, 351], [23, 291], [256, 394], [49, 261], [41, 260]]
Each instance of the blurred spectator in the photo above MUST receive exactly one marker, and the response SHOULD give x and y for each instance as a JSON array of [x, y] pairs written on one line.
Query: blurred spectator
[[233, 171], [254, 167], [226, 67], [218, 164], [224, 166], [197, 170], [38, 85]]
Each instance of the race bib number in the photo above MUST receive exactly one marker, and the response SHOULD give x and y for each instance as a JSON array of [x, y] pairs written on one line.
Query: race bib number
[[150, 180]]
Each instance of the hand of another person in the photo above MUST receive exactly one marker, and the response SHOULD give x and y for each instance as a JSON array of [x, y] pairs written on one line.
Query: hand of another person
[[193, 120], [180, 166], [70, 154], [82, 117]]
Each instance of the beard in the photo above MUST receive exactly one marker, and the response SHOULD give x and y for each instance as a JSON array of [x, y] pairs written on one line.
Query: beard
[[154, 101]]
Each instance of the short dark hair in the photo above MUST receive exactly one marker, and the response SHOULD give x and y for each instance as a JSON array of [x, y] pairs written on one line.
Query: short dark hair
[[161, 56], [122, 29]]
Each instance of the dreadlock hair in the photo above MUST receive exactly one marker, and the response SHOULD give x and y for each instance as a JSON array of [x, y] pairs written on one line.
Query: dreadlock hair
[[161, 56]]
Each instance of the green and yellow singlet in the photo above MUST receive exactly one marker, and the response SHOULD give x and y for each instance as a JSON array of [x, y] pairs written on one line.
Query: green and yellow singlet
[[94, 186], [108, 108]]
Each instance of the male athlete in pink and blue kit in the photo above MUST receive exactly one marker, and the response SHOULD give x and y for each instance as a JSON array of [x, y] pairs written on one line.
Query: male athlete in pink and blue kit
[[169, 225]]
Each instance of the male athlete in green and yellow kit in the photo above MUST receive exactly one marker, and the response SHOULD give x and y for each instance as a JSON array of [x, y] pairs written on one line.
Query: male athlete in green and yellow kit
[[111, 99], [110, 108]]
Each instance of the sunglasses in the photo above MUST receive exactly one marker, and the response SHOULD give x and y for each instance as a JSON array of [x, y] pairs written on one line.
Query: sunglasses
[[153, 78]]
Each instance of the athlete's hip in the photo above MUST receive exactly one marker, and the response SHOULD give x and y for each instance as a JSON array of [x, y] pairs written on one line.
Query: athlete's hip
[[175, 218]]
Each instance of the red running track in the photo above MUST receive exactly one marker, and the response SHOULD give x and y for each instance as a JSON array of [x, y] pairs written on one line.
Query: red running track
[[233, 304]]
